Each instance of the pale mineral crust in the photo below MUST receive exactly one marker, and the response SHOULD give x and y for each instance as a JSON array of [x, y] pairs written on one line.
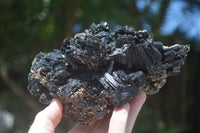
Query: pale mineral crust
[[98, 70]]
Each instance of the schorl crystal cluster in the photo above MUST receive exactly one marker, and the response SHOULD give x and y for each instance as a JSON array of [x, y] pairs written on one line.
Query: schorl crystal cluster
[[98, 70]]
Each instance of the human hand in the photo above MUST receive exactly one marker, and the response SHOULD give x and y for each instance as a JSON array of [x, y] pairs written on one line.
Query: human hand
[[121, 121], [47, 119]]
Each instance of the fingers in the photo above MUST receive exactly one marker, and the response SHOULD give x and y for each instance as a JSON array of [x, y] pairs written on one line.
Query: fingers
[[84, 129], [135, 106], [46, 120], [103, 125], [100, 126], [119, 119]]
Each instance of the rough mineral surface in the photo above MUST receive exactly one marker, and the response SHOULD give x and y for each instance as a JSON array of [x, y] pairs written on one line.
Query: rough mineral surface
[[98, 70]]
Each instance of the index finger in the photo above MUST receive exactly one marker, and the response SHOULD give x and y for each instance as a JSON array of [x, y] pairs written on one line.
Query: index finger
[[119, 119], [135, 107]]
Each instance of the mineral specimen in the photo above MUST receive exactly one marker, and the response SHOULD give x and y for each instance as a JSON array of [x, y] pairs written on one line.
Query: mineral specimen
[[98, 70]]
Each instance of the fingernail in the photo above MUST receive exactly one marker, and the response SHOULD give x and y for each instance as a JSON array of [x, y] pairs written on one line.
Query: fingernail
[[125, 107]]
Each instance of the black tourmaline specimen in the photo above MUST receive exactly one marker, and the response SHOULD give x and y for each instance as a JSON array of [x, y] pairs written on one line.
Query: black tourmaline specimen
[[98, 70]]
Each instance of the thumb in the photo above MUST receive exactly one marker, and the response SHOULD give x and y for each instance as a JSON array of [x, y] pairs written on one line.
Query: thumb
[[47, 119]]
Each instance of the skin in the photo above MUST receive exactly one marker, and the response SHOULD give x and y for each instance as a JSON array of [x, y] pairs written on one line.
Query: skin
[[122, 120]]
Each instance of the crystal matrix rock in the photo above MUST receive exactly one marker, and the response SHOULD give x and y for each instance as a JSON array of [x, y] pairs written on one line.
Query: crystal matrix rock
[[98, 70]]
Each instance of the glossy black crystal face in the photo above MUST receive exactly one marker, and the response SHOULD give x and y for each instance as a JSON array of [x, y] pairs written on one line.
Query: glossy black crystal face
[[97, 70]]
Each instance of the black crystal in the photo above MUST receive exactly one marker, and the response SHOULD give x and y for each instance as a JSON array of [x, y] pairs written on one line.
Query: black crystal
[[98, 70]]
